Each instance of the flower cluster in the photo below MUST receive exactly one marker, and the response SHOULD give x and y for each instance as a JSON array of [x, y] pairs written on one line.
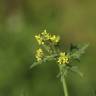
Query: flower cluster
[[39, 39], [63, 59], [45, 37], [39, 54]]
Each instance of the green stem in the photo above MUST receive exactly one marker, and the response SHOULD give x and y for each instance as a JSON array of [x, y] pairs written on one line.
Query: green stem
[[63, 82], [64, 85]]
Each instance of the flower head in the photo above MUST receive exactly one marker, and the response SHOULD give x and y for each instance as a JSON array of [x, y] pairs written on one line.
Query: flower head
[[63, 59], [39, 54], [55, 39], [39, 39], [46, 35]]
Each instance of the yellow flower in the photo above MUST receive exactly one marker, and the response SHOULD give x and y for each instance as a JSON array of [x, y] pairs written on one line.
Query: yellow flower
[[39, 39], [46, 35], [44, 32], [55, 39], [39, 54], [63, 59]]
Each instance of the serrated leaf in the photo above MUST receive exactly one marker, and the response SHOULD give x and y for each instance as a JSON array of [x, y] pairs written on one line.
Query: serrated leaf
[[76, 54], [76, 70]]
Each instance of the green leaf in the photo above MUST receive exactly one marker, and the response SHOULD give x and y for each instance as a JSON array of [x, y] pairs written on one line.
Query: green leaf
[[77, 53], [73, 47], [76, 70], [34, 64]]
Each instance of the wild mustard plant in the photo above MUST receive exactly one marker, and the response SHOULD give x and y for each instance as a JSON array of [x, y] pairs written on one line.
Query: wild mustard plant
[[50, 50]]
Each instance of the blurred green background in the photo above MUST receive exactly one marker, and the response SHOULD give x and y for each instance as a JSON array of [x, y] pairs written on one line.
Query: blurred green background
[[20, 20]]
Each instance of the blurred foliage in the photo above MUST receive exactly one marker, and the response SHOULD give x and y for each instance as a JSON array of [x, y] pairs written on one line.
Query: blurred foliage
[[73, 20]]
